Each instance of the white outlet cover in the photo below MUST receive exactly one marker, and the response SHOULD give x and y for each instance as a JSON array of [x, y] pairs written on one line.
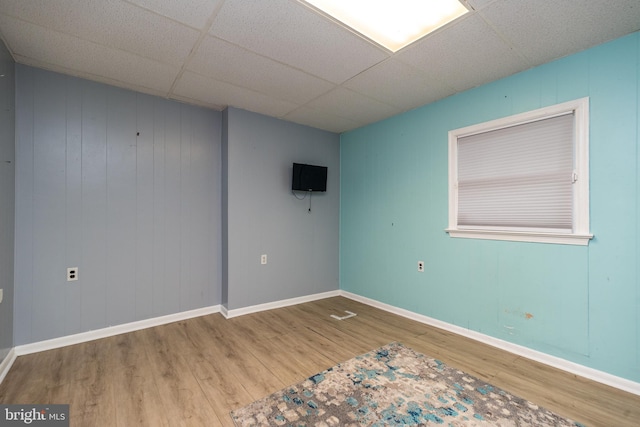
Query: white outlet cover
[[72, 274], [263, 259], [1, 295]]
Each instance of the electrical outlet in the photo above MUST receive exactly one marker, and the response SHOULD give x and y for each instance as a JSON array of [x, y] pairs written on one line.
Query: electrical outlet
[[263, 259], [421, 266], [72, 274], [1, 295]]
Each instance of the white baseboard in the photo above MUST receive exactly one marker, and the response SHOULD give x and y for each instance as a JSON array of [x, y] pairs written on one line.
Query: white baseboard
[[556, 362], [228, 314], [112, 330], [6, 364], [157, 321]]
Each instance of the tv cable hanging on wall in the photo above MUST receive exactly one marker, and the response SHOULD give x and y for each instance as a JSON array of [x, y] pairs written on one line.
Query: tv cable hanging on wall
[[303, 197]]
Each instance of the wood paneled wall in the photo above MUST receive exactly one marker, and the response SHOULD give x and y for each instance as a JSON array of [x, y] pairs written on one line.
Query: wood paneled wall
[[124, 186]]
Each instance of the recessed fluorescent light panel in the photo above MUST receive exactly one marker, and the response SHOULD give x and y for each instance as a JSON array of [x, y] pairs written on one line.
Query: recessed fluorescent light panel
[[392, 23]]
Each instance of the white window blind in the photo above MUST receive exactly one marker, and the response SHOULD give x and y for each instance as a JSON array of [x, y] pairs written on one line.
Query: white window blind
[[518, 177]]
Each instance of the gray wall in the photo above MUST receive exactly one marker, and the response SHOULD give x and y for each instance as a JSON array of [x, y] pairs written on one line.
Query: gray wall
[[263, 217], [7, 197], [224, 297], [162, 206], [139, 215]]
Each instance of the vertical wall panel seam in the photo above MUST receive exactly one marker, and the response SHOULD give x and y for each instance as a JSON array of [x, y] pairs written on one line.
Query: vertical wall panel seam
[[181, 231], [80, 226], [106, 197], [190, 200], [184, 197], [154, 261], [136, 282], [588, 284], [164, 207], [33, 201], [66, 195], [180, 197], [637, 230], [181, 298], [153, 204]]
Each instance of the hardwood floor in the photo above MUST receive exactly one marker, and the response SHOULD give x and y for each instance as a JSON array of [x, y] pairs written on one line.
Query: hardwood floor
[[194, 372]]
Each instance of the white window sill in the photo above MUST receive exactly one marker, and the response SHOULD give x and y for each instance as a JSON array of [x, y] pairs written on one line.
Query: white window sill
[[523, 236]]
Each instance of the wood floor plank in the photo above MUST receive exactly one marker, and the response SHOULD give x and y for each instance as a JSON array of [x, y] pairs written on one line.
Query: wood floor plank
[[194, 372], [254, 376], [257, 326], [131, 376], [455, 350], [329, 340], [585, 401], [220, 385], [222, 393], [182, 399], [355, 327], [59, 395], [91, 398]]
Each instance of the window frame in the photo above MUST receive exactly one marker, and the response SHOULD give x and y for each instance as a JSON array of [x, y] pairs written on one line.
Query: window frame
[[580, 234]]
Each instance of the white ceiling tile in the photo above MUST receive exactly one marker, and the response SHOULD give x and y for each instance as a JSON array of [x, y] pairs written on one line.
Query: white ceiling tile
[[291, 33], [321, 120], [353, 106], [465, 55], [399, 84], [213, 92], [45, 48], [194, 13], [548, 29], [479, 4], [223, 61], [112, 23], [281, 58]]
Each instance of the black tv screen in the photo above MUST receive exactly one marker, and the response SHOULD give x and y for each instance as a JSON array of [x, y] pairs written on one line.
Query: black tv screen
[[309, 178]]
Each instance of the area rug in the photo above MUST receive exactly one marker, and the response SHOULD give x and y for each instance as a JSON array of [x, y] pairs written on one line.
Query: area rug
[[394, 385]]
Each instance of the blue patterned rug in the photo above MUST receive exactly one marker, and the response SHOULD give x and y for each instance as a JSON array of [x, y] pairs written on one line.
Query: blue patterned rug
[[394, 385]]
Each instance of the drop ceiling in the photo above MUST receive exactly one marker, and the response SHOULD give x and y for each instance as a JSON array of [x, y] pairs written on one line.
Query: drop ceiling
[[282, 59]]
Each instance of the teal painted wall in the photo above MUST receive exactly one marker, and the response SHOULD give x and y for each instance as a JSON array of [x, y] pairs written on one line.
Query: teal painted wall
[[574, 302]]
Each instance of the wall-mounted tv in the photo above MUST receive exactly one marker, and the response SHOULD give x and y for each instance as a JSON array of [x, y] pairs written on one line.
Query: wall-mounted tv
[[309, 178]]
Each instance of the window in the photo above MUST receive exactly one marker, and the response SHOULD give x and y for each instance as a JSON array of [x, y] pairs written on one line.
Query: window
[[522, 178]]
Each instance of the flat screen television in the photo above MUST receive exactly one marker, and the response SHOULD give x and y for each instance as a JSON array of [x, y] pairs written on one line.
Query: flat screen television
[[309, 178]]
